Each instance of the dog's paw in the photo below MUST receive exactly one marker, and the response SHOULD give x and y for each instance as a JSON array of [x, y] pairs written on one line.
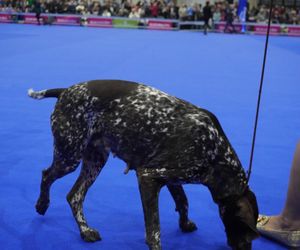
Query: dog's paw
[[90, 235], [154, 247], [42, 206], [245, 246], [187, 226]]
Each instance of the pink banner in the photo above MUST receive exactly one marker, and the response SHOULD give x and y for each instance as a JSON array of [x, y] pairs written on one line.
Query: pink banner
[[5, 18], [30, 19], [294, 31], [160, 25], [262, 29], [221, 27], [99, 22], [67, 20]]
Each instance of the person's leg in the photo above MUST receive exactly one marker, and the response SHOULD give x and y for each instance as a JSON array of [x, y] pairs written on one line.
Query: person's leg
[[289, 218], [233, 28], [226, 27], [206, 26], [38, 18], [292, 204]]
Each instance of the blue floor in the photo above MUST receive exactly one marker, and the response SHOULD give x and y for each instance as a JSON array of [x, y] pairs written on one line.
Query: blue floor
[[218, 72]]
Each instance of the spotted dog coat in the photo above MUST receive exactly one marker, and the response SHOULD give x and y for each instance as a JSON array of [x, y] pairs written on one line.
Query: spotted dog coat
[[166, 140]]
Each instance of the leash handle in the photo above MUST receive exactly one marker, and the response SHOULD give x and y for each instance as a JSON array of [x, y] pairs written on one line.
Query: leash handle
[[259, 93]]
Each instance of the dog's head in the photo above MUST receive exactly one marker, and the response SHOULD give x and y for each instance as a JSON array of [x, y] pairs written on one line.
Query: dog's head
[[239, 216]]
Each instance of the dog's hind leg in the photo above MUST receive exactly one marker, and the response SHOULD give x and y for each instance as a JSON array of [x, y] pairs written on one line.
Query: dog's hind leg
[[182, 207], [149, 191], [94, 159], [59, 168], [68, 151]]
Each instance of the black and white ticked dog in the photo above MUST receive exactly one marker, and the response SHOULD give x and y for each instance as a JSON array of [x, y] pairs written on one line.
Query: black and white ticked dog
[[166, 140]]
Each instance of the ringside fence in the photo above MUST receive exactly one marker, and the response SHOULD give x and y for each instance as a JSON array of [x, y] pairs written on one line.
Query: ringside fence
[[143, 23]]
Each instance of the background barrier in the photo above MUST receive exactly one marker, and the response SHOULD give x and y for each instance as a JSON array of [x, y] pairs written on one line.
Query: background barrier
[[144, 23]]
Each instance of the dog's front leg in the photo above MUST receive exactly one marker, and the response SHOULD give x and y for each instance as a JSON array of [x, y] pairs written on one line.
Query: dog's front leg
[[149, 190], [182, 207]]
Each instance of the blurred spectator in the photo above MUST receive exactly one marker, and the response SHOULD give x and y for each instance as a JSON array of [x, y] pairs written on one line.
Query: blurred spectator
[[125, 8], [173, 10], [80, 8], [216, 15], [229, 17], [190, 13], [293, 17], [197, 12], [252, 14], [71, 7], [106, 12], [37, 9], [182, 12], [276, 15], [136, 12], [154, 9], [262, 14], [95, 8], [207, 15]]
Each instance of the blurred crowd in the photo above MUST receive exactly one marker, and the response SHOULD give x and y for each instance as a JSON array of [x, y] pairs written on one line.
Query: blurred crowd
[[280, 14], [168, 9]]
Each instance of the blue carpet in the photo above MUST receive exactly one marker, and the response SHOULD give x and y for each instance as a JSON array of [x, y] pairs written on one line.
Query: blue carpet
[[218, 72]]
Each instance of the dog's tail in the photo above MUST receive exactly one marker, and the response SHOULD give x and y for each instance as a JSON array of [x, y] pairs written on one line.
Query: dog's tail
[[45, 93]]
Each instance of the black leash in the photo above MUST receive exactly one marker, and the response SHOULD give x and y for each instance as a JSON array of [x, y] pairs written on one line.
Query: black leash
[[260, 91]]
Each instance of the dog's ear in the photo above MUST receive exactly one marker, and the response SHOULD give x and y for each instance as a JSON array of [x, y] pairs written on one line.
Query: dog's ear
[[239, 218], [247, 214]]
